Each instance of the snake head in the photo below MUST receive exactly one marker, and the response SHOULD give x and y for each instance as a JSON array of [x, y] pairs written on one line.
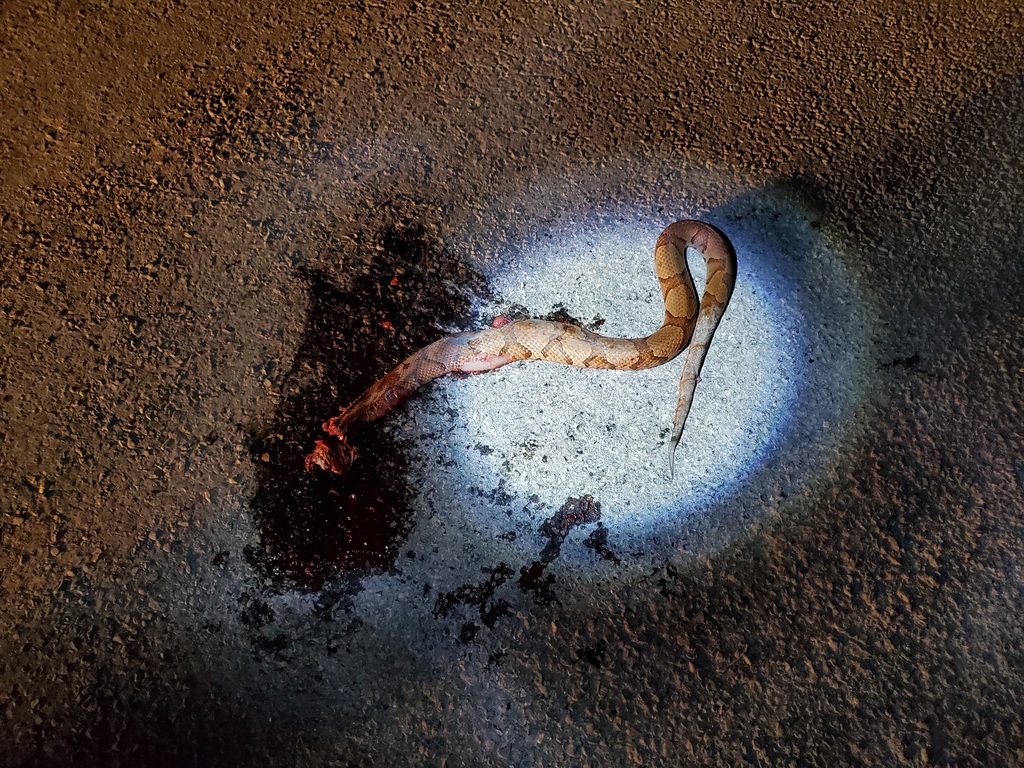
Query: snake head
[[335, 455]]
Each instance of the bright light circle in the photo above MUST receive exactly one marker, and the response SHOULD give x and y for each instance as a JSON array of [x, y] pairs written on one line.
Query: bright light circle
[[499, 453]]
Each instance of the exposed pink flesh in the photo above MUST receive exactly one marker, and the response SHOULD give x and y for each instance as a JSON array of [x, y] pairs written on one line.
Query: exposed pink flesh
[[481, 363]]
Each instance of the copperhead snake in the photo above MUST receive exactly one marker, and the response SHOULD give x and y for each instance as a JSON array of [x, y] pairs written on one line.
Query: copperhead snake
[[506, 341]]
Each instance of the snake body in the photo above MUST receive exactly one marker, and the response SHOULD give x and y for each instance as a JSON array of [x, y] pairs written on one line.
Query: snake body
[[687, 322]]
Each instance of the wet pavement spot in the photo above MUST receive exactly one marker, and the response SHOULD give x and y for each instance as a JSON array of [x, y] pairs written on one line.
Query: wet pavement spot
[[480, 596]]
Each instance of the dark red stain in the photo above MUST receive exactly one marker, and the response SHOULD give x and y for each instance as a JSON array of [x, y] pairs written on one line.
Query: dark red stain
[[598, 541], [315, 525], [532, 578], [574, 512]]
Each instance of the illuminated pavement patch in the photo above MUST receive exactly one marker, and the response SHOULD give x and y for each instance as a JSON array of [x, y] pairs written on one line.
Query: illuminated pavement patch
[[496, 455]]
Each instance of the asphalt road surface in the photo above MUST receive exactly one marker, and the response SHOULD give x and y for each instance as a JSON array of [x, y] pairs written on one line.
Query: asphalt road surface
[[219, 222]]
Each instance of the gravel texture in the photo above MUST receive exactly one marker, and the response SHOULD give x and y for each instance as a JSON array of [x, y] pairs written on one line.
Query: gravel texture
[[220, 221]]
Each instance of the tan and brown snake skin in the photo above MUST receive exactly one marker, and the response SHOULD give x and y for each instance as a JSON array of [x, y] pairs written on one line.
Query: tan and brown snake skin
[[686, 322]]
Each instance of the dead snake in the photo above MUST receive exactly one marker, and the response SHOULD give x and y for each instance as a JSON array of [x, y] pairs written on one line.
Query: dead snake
[[686, 322]]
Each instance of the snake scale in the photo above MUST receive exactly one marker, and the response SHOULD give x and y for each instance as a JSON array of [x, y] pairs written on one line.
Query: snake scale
[[687, 322]]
